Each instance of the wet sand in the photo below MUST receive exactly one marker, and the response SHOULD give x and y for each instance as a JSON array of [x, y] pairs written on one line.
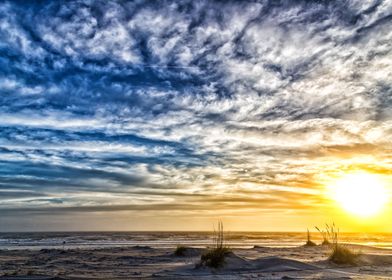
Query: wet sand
[[142, 262]]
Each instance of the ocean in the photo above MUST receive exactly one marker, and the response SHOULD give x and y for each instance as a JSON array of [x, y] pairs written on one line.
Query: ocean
[[94, 240]]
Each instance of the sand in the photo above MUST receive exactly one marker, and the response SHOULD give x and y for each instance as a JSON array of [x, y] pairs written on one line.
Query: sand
[[143, 262]]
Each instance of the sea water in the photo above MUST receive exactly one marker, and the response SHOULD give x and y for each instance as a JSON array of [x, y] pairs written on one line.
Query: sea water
[[94, 240]]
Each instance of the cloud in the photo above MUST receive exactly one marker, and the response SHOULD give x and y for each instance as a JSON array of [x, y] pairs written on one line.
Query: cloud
[[112, 105]]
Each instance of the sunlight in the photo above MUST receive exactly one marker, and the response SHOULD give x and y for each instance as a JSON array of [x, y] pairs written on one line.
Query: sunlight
[[361, 194]]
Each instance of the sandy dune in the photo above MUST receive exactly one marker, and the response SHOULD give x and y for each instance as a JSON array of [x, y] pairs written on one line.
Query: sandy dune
[[143, 262]]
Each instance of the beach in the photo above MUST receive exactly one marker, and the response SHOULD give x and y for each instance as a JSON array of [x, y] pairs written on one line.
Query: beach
[[160, 262]]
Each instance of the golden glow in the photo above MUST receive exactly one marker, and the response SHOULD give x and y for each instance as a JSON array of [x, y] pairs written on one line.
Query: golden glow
[[361, 194]]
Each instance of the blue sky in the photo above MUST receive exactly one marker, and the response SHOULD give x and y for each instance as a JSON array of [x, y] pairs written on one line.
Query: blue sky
[[150, 114]]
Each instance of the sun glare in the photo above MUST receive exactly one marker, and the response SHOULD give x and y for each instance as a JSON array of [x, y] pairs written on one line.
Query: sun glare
[[361, 194]]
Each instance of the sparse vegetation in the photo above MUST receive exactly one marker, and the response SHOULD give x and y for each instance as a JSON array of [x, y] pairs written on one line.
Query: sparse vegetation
[[309, 242], [215, 256], [325, 233], [343, 255], [340, 254], [180, 251]]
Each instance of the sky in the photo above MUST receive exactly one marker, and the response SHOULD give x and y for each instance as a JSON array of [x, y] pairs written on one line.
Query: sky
[[171, 115]]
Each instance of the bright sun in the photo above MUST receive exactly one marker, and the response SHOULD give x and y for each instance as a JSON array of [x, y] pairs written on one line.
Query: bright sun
[[362, 194]]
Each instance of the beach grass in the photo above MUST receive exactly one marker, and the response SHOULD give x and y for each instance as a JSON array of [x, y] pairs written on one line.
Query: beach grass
[[340, 253], [309, 242], [325, 233], [180, 251], [215, 256]]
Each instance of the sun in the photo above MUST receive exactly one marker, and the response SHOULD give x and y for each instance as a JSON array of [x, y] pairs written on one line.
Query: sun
[[361, 194]]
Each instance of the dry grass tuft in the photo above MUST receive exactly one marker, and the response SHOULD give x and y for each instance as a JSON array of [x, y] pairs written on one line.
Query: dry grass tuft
[[340, 254], [326, 234], [309, 242], [343, 255], [180, 251], [215, 256]]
